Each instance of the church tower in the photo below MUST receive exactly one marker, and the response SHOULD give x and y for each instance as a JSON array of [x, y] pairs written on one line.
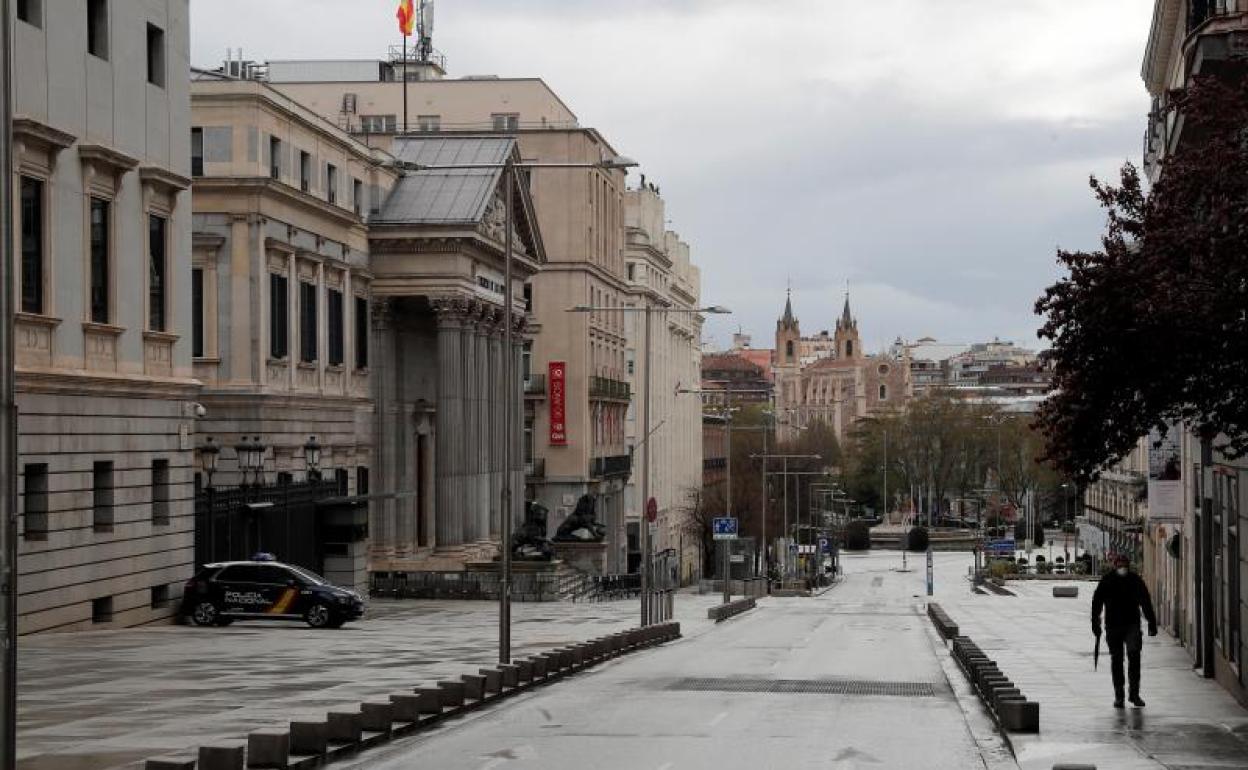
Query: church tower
[[848, 345], [788, 336]]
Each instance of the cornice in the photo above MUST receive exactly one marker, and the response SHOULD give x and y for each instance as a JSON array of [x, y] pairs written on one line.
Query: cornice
[[163, 178], [29, 129], [280, 190], [107, 157]]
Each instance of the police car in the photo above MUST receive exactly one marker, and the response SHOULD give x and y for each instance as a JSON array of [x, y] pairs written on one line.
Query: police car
[[263, 589]]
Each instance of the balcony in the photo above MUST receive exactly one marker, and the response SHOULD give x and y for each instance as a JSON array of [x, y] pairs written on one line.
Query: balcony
[[606, 389], [535, 386], [614, 466], [535, 468]]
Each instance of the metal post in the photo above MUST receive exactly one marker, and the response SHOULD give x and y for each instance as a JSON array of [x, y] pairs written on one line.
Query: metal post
[[8, 411], [645, 475], [728, 498], [785, 531], [763, 560], [509, 385], [405, 92], [1205, 550], [884, 502]]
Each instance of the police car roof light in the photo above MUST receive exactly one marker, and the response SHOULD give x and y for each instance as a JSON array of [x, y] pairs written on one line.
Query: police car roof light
[[263, 556]]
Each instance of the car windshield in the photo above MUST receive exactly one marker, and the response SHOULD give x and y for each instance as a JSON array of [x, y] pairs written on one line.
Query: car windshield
[[310, 577]]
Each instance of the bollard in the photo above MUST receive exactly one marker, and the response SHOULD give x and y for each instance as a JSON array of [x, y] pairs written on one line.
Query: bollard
[[428, 700], [343, 726], [1020, 716], [376, 717], [222, 756], [268, 748], [169, 763], [1065, 592], [309, 738], [474, 686], [511, 674], [524, 671], [539, 667], [406, 707], [452, 693]]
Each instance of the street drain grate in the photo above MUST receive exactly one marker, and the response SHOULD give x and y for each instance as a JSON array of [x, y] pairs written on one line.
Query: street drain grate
[[806, 686]]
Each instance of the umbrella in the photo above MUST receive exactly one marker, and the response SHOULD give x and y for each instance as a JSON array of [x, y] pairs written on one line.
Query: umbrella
[[1096, 651]]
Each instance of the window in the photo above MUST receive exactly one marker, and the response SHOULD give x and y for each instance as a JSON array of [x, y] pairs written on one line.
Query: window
[[160, 597], [32, 245], [378, 124], [883, 392], [342, 478], [849, 348], [102, 495], [357, 197], [305, 171], [429, 123], [197, 152], [333, 312], [30, 11], [279, 316], [99, 261], [361, 480], [102, 609], [197, 312], [97, 28], [275, 158], [155, 55], [156, 273], [331, 183], [35, 501], [361, 333], [307, 322], [632, 270], [788, 349], [160, 491], [508, 121]]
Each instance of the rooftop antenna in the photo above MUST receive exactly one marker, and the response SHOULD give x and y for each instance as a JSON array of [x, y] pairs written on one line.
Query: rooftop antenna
[[424, 30]]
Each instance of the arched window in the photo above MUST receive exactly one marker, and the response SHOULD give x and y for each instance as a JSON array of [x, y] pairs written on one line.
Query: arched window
[[849, 348], [788, 349], [883, 392]]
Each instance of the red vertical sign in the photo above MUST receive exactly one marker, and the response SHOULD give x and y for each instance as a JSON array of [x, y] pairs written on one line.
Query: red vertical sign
[[558, 403]]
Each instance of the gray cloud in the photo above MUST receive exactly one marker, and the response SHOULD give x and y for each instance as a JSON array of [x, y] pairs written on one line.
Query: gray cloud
[[933, 154]]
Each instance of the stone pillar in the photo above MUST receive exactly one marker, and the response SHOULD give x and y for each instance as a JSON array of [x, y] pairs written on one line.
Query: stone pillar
[[449, 431], [516, 429], [497, 431], [381, 511], [481, 449], [470, 384]]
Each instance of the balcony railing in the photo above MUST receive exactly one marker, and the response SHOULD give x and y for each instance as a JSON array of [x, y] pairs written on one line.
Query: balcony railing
[[535, 385], [607, 388], [611, 467]]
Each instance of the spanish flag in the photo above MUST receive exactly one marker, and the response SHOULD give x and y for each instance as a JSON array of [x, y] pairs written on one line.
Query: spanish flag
[[407, 17]]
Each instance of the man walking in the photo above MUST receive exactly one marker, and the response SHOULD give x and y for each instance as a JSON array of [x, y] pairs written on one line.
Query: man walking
[[1124, 596]]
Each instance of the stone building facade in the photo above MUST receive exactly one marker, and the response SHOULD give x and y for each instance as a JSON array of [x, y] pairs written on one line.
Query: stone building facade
[[281, 281], [661, 275], [102, 251], [836, 390]]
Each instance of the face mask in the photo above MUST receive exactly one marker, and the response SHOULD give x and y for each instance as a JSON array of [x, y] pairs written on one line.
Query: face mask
[[1122, 571]]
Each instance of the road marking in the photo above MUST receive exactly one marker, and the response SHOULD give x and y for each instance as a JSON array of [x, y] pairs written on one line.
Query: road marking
[[719, 718]]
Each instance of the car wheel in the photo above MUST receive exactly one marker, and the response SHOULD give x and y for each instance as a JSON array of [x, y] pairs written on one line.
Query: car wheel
[[319, 616], [205, 614]]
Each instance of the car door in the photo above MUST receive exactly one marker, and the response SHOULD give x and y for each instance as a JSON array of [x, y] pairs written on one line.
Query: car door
[[285, 588], [242, 591]]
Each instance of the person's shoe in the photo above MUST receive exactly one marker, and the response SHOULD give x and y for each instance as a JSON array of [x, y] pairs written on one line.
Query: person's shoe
[[1137, 701], [1118, 703]]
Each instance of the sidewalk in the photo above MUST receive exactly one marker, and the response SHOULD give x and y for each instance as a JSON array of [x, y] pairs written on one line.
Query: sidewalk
[[1045, 646], [110, 699]]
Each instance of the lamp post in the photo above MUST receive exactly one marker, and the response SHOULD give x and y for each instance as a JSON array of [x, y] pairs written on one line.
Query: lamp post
[[312, 458], [647, 311], [209, 454], [611, 163], [785, 475]]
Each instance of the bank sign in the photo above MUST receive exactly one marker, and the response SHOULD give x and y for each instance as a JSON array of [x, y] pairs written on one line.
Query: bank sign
[[558, 379]]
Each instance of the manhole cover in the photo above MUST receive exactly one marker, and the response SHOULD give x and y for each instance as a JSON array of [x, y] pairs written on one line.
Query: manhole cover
[[806, 686]]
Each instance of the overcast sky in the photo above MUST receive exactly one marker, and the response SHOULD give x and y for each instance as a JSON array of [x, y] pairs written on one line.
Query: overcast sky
[[932, 153]]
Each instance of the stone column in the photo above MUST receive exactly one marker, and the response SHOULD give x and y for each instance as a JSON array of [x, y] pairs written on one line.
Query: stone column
[[481, 439], [497, 431], [452, 316], [516, 429], [469, 384], [381, 511]]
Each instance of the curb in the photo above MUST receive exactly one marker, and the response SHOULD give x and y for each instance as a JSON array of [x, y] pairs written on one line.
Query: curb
[[346, 732], [721, 612]]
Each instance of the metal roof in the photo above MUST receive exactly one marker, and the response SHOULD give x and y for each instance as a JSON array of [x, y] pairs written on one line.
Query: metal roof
[[448, 196]]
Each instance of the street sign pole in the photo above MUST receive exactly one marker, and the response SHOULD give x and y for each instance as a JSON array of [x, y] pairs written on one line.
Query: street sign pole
[[930, 584]]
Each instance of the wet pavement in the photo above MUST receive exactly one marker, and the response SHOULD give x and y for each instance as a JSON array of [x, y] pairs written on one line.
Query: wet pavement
[[110, 699]]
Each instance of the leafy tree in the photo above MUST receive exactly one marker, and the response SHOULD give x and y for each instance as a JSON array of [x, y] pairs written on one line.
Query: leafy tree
[[917, 539], [1153, 326]]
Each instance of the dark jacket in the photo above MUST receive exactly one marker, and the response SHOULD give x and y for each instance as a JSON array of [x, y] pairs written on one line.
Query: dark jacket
[[1124, 597]]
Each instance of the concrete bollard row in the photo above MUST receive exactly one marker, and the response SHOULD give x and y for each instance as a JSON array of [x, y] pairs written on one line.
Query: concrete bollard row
[[733, 608], [944, 624], [1012, 711], [311, 743]]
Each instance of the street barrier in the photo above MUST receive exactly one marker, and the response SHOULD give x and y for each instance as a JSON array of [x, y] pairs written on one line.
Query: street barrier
[[722, 612], [346, 732], [1011, 710]]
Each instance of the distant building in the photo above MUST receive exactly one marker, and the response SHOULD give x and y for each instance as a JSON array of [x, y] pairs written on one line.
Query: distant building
[[838, 390], [733, 378]]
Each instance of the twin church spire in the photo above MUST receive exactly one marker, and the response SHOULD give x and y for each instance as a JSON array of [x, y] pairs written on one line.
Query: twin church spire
[[789, 335]]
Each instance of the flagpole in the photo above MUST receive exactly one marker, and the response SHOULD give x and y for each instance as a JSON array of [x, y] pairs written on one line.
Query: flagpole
[[405, 82]]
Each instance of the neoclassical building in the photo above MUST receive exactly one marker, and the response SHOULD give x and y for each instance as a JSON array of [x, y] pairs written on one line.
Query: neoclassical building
[[836, 389]]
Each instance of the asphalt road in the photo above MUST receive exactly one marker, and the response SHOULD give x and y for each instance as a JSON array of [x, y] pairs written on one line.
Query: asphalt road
[[866, 689]]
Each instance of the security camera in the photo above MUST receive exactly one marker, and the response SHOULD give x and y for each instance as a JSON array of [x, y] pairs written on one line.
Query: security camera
[[200, 411]]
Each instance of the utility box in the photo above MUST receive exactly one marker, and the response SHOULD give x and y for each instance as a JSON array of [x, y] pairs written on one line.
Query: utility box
[[344, 542]]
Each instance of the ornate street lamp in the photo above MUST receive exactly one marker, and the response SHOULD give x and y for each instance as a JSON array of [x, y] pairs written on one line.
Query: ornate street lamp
[[208, 455], [312, 458], [257, 461], [242, 450]]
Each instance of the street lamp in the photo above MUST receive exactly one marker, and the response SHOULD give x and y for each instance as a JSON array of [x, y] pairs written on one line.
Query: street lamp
[[609, 163], [312, 458], [646, 311], [785, 475], [208, 455]]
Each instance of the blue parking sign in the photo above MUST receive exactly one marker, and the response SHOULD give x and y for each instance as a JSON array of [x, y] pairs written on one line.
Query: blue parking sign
[[724, 528]]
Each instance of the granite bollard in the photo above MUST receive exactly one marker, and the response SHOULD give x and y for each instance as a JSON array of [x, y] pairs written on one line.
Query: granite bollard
[[309, 738], [343, 726], [268, 748], [377, 716], [221, 756]]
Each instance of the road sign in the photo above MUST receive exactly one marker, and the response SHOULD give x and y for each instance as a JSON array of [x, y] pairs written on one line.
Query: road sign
[[724, 528], [1000, 547], [824, 545], [652, 510]]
